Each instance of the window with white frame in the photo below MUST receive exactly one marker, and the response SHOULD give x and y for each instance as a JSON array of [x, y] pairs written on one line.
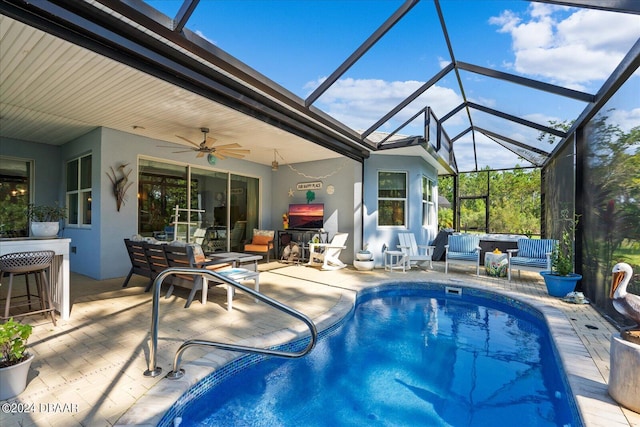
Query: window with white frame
[[79, 191], [392, 198], [428, 205]]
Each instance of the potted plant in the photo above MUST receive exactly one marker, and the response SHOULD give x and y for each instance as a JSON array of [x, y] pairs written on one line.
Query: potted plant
[[45, 219], [561, 279], [364, 254], [15, 362]]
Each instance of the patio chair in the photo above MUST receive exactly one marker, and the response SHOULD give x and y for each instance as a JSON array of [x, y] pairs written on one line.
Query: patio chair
[[462, 249], [261, 242], [177, 256], [157, 261], [411, 250], [532, 255], [198, 235], [138, 259], [198, 259], [327, 255]]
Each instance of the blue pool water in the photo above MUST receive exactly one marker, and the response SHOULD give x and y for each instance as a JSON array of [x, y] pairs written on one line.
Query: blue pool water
[[406, 357]]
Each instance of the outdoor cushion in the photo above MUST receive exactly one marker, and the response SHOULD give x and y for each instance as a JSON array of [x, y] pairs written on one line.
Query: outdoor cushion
[[463, 256], [261, 239], [529, 262], [535, 248], [464, 243]]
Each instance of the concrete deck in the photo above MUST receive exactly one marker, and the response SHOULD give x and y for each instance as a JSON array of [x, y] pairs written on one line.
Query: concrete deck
[[88, 371]]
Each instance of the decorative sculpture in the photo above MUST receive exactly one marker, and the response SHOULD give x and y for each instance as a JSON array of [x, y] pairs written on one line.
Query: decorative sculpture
[[624, 354], [624, 302], [120, 183]]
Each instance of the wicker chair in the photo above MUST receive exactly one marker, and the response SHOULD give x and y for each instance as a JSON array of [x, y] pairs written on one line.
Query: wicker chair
[[25, 263]]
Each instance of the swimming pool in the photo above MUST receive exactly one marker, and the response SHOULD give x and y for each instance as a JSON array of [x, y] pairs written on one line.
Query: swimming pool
[[408, 355]]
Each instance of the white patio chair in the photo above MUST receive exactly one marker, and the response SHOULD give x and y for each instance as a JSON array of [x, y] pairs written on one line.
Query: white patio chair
[[411, 250], [327, 255]]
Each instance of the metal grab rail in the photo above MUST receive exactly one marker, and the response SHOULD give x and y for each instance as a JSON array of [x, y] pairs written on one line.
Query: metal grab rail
[[153, 370]]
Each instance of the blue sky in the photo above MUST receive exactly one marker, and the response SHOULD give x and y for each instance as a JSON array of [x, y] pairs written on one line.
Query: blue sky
[[299, 43]]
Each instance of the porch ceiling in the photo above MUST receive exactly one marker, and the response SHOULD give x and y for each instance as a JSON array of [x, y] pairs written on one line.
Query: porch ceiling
[[53, 91]]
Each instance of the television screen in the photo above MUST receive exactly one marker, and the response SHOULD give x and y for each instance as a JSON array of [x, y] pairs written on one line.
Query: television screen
[[306, 215]]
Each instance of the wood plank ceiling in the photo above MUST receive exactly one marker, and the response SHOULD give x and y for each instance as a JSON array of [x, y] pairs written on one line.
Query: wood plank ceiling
[[53, 91]]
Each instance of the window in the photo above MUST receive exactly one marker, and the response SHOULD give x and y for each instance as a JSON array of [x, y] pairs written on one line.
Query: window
[[428, 206], [79, 191], [392, 198], [15, 183]]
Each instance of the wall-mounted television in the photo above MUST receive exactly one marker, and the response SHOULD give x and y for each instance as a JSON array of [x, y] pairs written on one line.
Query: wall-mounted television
[[310, 215]]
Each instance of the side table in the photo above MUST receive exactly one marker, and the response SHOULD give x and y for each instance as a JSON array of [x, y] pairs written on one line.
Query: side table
[[496, 264], [395, 260]]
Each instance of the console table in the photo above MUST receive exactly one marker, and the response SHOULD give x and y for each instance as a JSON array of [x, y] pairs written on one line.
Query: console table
[[302, 236], [59, 271]]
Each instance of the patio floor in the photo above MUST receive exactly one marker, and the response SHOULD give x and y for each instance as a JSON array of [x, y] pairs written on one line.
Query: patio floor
[[88, 371]]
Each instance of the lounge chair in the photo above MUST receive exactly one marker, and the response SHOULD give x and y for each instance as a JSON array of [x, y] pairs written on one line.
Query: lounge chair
[[532, 255], [411, 250], [462, 249], [327, 255]]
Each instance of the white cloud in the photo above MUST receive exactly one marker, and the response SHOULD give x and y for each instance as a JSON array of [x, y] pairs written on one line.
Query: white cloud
[[625, 119], [359, 103], [201, 34], [575, 50]]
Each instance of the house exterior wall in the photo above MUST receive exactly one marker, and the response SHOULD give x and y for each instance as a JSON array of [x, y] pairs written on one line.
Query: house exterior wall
[[98, 250], [47, 186], [416, 168], [120, 147], [342, 208]]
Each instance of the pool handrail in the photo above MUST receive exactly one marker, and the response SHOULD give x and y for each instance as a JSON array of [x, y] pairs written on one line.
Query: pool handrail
[[154, 371]]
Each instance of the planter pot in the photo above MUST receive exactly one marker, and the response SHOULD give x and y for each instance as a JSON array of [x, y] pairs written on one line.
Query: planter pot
[[559, 286], [363, 256], [45, 229], [13, 379], [364, 265]]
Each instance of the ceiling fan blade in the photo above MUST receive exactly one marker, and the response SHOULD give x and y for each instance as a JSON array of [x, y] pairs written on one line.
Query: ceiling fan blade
[[182, 151], [218, 155], [200, 154], [208, 143], [189, 141], [225, 146]]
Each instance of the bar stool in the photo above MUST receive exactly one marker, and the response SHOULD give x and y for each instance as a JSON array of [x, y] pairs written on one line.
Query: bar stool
[[25, 263]]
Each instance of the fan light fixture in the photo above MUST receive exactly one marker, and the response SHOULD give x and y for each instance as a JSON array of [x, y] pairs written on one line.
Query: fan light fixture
[[274, 164]]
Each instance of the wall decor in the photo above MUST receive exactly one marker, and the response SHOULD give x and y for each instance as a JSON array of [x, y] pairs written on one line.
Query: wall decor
[[330, 189], [311, 196], [121, 184], [316, 185]]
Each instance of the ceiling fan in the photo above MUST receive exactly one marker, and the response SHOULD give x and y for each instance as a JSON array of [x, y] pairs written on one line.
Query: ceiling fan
[[218, 151]]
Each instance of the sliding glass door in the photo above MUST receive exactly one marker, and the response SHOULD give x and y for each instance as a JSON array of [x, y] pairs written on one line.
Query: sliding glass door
[[219, 211]]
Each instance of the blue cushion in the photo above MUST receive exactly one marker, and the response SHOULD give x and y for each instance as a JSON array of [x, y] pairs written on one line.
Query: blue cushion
[[463, 256], [464, 243], [535, 248], [529, 262]]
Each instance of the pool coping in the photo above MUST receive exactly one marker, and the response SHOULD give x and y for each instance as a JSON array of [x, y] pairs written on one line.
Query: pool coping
[[595, 406]]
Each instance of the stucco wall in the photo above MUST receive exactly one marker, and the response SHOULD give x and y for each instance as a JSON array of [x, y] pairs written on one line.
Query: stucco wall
[[416, 168], [341, 208]]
